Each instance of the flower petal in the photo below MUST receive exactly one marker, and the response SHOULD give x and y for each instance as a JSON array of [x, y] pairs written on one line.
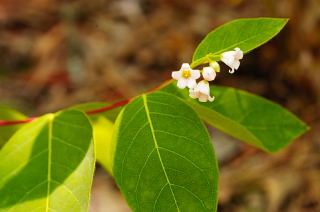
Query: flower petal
[[203, 87], [176, 75], [211, 99], [195, 74], [191, 83], [182, 83], [185, 66], [236, 64], [228, 55], [193, 94], [238, 54], [231, 58], [203, 98], [228, 61]]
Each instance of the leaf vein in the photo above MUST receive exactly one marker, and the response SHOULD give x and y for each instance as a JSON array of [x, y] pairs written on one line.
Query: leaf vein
[[129, 147], [158, 195], [157, 147], [68, 144]]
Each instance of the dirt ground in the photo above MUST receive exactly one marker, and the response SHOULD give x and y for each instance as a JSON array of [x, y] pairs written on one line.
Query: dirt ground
[[57, 53]]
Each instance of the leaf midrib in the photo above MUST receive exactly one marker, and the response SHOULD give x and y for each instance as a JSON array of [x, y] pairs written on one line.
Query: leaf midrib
[[49, 161], [144, 97]]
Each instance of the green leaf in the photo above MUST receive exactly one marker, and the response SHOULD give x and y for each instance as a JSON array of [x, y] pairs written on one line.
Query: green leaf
[[245, 34], [48, 165], [104, 147], [164, 159], [247, 117], [9, 114], [102, 124]]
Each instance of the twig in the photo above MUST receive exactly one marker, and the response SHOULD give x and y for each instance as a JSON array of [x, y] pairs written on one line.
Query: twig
[[90, 112]]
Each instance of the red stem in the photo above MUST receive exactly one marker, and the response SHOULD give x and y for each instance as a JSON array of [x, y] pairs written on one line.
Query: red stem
[[110, 107], [100, 110], [4, 123]]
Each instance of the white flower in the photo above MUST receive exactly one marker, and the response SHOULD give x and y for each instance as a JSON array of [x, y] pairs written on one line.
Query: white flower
[[201, 92], [186, 76], [208, 73], [231, 58]]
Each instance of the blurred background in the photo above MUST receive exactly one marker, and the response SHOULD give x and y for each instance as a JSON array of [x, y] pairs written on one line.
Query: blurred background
[[57, 53]]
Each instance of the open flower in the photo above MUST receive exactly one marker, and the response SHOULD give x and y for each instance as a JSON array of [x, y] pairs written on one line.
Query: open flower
[[201, 92], [208, 73], [186, 76], [231, 59]]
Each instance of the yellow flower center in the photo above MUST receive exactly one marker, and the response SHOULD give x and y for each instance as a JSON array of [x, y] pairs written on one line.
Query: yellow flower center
[[186, 74]]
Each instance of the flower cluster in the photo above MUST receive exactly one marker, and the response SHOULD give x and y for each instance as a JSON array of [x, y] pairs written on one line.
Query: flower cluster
[[187, 76]]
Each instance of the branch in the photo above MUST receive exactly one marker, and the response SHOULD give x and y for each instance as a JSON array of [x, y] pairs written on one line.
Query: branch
[[90, 112]]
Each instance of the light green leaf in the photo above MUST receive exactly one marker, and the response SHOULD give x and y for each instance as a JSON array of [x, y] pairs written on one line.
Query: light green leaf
[[247, 117], [48, 165], [245, 34], [164, 159], [104, 147], [9, 114]]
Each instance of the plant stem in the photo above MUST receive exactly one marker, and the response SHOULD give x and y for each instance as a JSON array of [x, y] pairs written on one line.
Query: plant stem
[[90, 112], [110, 107], [5, 123]]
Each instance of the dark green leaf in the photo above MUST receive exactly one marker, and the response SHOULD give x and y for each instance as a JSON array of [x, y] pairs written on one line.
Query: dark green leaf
[[164, 159], [247, 117]]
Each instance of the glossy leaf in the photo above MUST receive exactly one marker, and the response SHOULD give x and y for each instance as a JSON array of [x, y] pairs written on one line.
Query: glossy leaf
[[247, 117], [164, 159], [245, 34], [9, 114], [48, 165]]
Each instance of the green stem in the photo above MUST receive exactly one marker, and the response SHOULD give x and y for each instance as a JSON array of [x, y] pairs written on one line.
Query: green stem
[[206, 59]]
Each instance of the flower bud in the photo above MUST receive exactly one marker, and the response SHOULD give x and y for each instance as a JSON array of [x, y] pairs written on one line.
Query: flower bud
[[215, 66], [208, 73]]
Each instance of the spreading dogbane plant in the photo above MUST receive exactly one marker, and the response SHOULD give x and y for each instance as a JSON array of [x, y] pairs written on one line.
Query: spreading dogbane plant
[[155, 145]]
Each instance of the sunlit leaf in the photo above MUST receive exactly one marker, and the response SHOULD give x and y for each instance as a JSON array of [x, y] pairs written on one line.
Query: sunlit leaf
[[48, 165], [9, 114], [104, 147]]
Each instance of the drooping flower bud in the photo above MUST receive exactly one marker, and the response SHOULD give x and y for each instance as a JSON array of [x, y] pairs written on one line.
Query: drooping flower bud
[[231, 59]]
